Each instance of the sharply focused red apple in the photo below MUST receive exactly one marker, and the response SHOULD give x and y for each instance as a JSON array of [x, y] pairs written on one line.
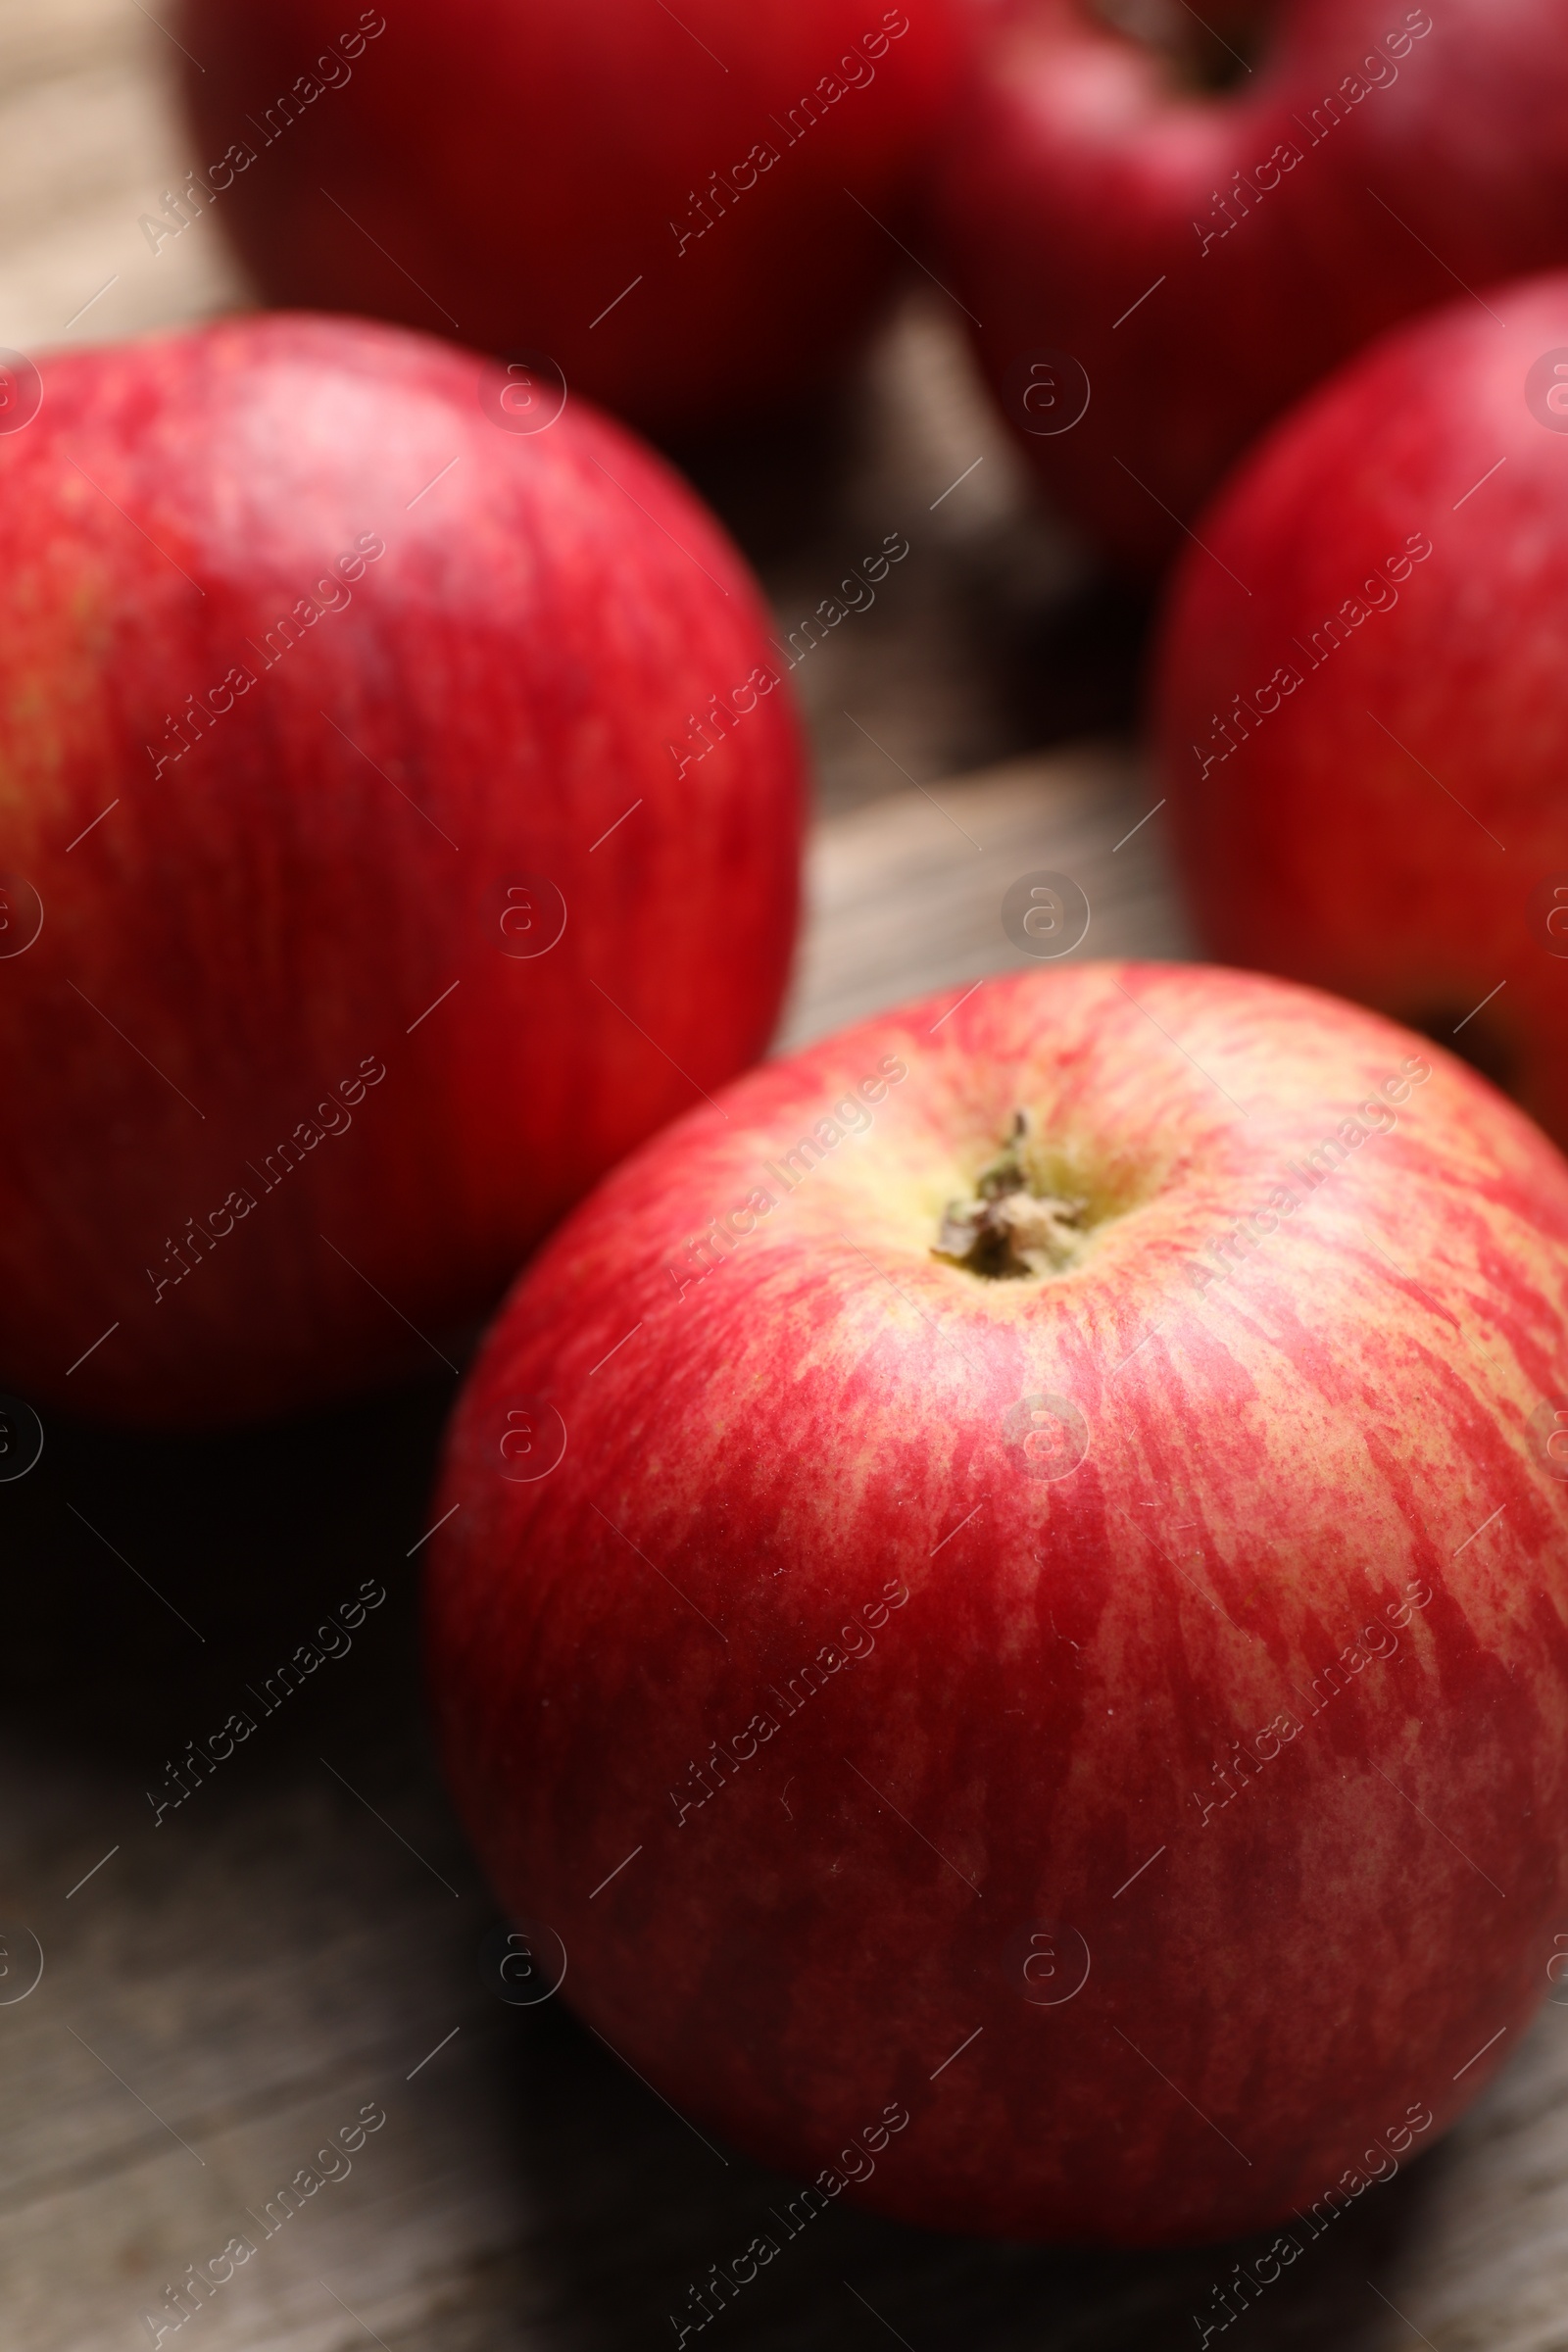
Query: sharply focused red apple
[[397, 821], [1361, 698], [1188, 260], [687, 212], [1010, 1574]]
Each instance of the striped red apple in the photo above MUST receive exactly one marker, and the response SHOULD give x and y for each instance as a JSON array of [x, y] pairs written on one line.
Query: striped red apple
[[688, 212], [1167, 223], [399, 820], [1012, 1570], [1360, 697]]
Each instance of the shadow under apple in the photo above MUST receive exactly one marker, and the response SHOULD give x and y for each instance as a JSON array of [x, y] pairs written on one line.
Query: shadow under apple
[[152, 1578], [149, 1578], [638, 2221]]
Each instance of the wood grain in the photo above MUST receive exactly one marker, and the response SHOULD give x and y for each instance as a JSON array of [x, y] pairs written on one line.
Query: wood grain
[[224, 1987], [906, 894]]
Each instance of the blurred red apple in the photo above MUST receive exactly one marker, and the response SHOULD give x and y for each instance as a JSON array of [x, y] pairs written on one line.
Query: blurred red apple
[[400, 822], [1361, 702], [1078, 1691], [1202, 256], [687, 212]]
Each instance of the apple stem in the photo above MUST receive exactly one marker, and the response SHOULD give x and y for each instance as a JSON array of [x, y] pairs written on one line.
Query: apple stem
[[1012, 1228]]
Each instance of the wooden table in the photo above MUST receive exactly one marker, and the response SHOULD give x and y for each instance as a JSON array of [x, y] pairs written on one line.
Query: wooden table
[[300, 1943]]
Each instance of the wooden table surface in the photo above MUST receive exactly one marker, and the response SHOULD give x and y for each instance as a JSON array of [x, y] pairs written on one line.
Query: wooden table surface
[[302, 1943]]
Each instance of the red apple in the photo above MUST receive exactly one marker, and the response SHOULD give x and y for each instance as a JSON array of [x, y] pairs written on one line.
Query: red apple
[[1082, 1707], [688, 211], [1361, 698], [400, 821], [1191, 260]]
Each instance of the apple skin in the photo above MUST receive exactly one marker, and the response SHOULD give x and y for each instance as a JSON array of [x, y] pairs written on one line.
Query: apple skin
[[256, 916], [754, 1460], [1081, 176], [1390, 826], [506, 170]]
